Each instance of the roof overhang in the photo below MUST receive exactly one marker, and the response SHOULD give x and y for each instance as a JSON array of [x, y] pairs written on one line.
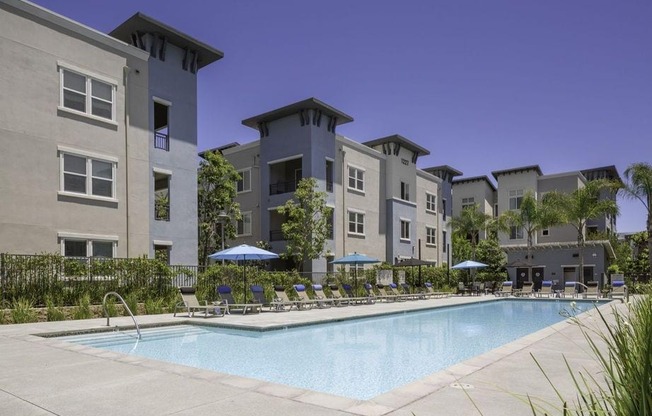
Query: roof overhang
[[307, 104], [397, 138], [562, 245], [140, 22], [521, 169]]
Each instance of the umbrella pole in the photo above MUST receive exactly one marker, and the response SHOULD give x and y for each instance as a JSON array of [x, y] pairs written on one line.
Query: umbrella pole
[[244, 277]]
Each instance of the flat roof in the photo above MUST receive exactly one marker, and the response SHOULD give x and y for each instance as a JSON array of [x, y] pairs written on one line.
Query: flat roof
[[536, 168], [397, 138], [308, 104], [141, 22]]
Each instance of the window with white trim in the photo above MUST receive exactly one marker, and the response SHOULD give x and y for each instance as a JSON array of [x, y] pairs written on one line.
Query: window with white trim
[[244, 225], [516, 233], [431, 236], [356, 223], [88, 176], [545, 232], [72, 247], [356, 179], [87, 95], [468, 202], [244, 183], [515, 199], [405, 230], [431, 203]]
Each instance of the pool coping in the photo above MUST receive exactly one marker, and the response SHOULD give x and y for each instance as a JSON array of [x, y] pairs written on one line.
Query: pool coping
[[388, 402]]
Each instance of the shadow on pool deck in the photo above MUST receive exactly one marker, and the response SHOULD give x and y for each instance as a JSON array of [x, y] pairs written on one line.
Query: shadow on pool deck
[[43, 376]]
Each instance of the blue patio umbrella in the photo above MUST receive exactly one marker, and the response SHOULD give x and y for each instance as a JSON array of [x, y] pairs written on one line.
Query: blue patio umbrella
[[355, 259], [469, 264], [243, 253]]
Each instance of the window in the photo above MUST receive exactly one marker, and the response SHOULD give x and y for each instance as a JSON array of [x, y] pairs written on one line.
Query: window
[[431, 203], [356, 179], [468, 202], [405, 230], [330, 223], [244, 183], [443, 241], [356, 223], [515, 199], [516, 233], [405, 191], [88, 176], [431, 236], [161, 125], [545, 232], [244, 225], [161, 195], [88, 95], [87, 248], [443, 207]]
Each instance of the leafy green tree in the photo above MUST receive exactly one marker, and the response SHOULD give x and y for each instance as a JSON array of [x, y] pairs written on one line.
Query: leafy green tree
[[490, 253], [216, 191], [461, 248], [306, 227], [583, 204], [638, 185], [638, 265]]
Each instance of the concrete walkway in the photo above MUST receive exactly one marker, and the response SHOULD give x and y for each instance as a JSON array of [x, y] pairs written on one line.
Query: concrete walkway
[[45, 376]]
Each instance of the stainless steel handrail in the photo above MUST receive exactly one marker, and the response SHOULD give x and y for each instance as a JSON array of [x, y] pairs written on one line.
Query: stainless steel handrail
[[106, 312]]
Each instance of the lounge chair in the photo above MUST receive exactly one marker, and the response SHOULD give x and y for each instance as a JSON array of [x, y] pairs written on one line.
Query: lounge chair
[[592, 290], [407, 292], [526, 290], [302, 294], [381, 295], [322, 300], [336, 296], [546, 289], [224, 292], [191, 304], [618, 290], [505, 289], [569, 289], [434, 294], [356, 299], [258, 293], [393, 291], [281, 296]]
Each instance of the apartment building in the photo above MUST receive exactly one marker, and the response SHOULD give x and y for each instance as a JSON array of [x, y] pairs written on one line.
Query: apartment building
[[99, 136], [383, 205], [555, 254]]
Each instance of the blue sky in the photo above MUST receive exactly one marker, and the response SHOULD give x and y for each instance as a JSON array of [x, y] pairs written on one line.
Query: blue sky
[[484, 85]]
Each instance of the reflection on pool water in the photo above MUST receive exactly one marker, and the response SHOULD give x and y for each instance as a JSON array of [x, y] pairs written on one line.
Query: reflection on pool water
[[358, 358]]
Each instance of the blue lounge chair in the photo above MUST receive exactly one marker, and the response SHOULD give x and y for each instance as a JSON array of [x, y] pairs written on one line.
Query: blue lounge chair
[[505, 290], [224, 292], [259, 296], [546, 288], [570, 289], [618, 289], [306, 302]]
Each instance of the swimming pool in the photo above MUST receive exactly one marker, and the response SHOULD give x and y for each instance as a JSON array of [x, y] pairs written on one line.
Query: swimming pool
[[359, 358]]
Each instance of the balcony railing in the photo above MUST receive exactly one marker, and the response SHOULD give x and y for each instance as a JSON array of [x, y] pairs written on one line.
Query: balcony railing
[[276, 235], [329, 186], [282, 187], [161, 141], [162, 211]]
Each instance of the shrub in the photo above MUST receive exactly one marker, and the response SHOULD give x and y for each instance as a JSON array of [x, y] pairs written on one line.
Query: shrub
[[54, 313], [111, 308], [132, 302], [154, 306], [83, 309], [23, 312]]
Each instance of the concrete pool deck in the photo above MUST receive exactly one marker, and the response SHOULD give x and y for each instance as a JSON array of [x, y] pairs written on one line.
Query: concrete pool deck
[[46, 376]]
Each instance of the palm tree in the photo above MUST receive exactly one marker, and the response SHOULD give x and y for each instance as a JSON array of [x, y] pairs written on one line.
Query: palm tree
[[534, 216], [638, 185], [583, 204], [470, 223]]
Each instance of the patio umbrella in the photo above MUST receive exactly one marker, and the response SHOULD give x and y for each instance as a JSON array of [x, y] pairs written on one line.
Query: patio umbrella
[[412, 262], [355, 259], [243, 252], [469, 264]]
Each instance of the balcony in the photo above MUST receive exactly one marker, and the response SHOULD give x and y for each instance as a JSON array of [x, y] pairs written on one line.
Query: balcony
[[282, 187], [276, 235], [162, 211], [161, 141]]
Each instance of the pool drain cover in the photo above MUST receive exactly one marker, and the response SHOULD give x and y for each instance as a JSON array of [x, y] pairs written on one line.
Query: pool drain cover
[[461, 386]]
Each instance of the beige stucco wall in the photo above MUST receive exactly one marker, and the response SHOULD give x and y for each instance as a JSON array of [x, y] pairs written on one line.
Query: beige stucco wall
[[427, 183], [32, 130]]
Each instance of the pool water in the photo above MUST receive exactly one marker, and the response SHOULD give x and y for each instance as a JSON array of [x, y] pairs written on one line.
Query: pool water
[[359, 358]]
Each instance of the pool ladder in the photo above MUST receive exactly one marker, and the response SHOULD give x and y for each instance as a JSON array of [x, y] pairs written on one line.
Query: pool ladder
[[106, 312]]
